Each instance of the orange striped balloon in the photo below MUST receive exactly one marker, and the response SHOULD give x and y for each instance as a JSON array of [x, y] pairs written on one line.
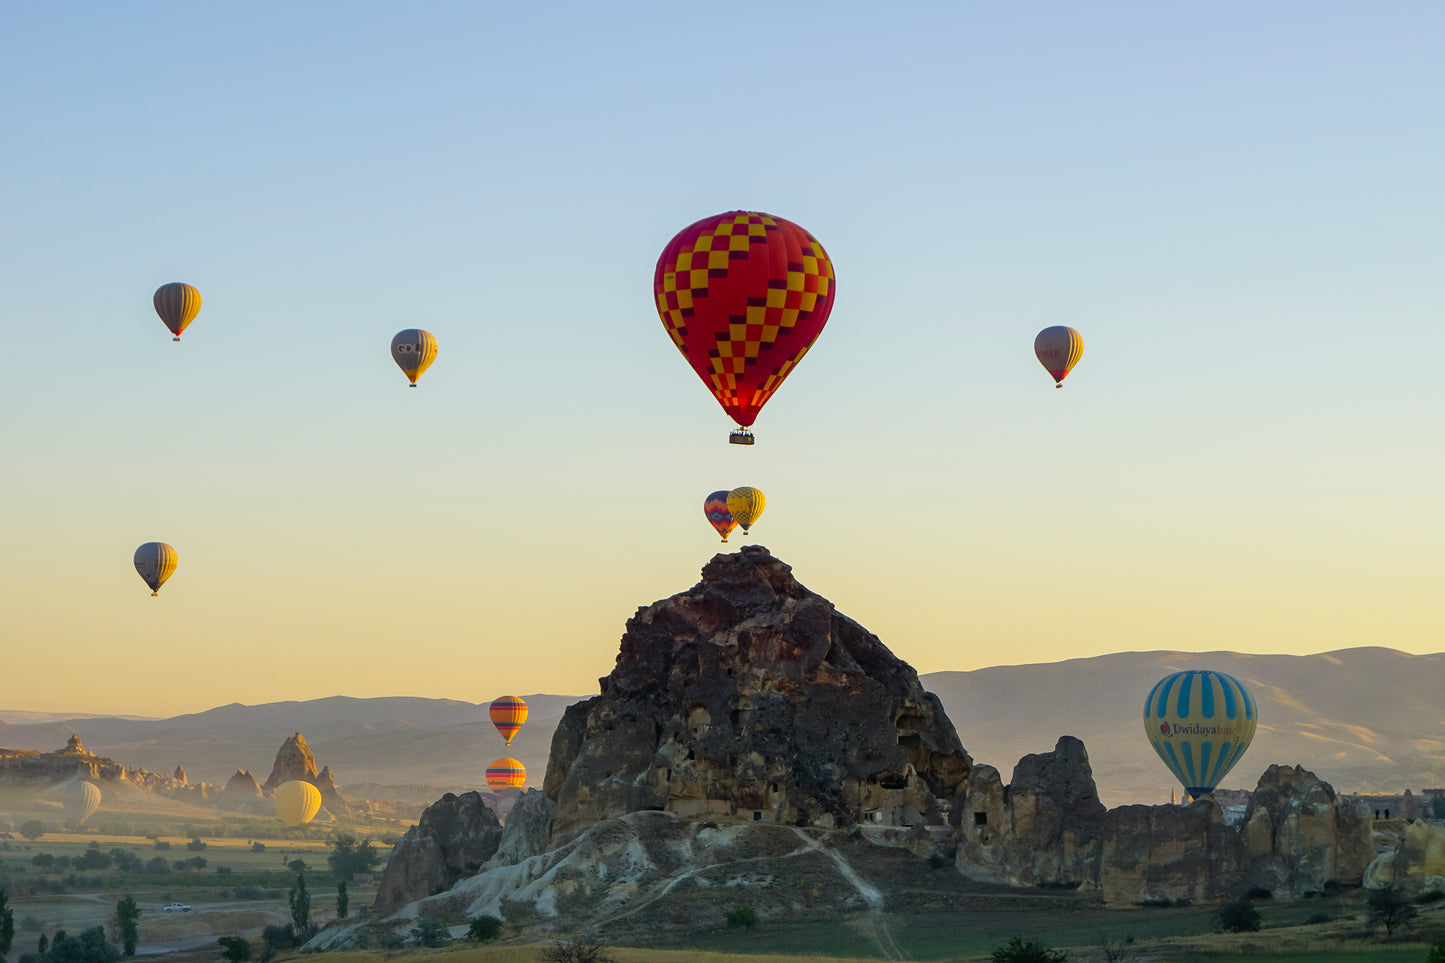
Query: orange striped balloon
[[506, 774], [177, 304], [508, 713]]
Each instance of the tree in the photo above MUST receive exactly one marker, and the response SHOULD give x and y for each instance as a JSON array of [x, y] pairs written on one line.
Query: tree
[[7, 924], [1437, 949], [300, 902], [43, 860], [350, 855], [343, 902], [1119, 951], [1238, 916], [1437, 811], [33, 829], [235, 949], [196, 844], [89, 947], [297, 865], [484, 928], [744, 916], [1020, 950], [92, 859], [1388, 907], [577, 950], [428, 932], [127, 916]]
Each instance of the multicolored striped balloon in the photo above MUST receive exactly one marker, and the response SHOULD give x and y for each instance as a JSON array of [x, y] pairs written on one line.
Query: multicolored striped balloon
[[508, 714], [155, 561], [715, 507], [1058, 349], [506, 774], [1200, 723], [177, 304]]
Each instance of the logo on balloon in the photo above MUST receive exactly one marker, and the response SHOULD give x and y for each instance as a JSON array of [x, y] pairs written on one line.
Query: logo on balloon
[[1164, 728]]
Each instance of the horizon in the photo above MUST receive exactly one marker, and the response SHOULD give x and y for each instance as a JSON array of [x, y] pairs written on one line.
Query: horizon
[[1237, 208]]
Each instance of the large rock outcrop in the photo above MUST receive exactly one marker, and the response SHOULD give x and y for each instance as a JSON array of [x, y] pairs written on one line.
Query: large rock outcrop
[[1415, 862], [749, 696], [295, 761], [1168, 853], [528, 829], [453, 838], [1298, 835], [1043, 827]]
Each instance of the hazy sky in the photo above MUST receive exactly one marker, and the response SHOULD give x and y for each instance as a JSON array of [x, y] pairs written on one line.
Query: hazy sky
[[1239, 205]]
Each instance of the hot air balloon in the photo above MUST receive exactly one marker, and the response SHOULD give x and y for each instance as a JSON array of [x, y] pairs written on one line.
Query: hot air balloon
[[743, 295], [413, 350], [155, 561], [297, 802], [715, 507], [1200, 723], [1058, 349], [80, 798], [506, 774], [745, 505], [177, 304], [508, 713]]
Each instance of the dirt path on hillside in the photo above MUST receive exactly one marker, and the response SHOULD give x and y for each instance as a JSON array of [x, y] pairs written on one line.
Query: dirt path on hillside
[[877, 923]]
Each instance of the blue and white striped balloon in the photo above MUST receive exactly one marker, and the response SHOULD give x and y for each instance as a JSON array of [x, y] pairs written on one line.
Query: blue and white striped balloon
[[1200, 723]]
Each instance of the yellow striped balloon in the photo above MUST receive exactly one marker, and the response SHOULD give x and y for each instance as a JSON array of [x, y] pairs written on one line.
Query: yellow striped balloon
[[1058, 349], [297, 802], [177, 304], [508, 713], [1200, 722], [155, 561], [506, 774], [413, 350], [745, 505]]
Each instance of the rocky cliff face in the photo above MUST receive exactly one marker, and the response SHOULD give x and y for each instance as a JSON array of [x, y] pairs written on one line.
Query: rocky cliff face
[[1299, 836], [749, 696], [454, 837]]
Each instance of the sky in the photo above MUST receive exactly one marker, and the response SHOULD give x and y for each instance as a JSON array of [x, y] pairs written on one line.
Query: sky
[[1238, 205]]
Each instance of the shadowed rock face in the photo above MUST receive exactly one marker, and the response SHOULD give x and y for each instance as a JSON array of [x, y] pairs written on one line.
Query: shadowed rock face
[[749, 694], [1299, 835], [453, 838]]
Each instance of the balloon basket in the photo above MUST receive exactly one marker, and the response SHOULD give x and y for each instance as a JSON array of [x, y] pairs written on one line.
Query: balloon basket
[[740, 437], [175, 339]]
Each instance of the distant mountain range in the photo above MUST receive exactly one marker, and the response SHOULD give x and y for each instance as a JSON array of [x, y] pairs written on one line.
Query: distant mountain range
[[1364, 719]]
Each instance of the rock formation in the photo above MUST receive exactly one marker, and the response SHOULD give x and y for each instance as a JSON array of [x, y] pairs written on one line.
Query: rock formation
[[454, 837], [293, 761], [1415, 863], [180, 774], [1167, 853], [1298, 835], [528, 829], [749, 696]]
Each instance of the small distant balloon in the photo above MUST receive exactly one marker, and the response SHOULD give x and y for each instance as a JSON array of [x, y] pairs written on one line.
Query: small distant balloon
[[155, 561], [80, 798], [1058, 349], [508, 714], [715, 507], [745, 505], [1200, 723], [297, 802], [506, 774], [177, 304], [413, 350]]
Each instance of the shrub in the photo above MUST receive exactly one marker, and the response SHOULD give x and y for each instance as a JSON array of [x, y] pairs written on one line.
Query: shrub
[[236, 949], [196, 844], [162, 844], [1389, 908], [430, 933], [1314, 918], [744, 916], [1259, 892], [483, 928], [1020, 950], [390, 941], [577, 950], [1238, 916], [1437, 950], [258, 847], [1430, 896]]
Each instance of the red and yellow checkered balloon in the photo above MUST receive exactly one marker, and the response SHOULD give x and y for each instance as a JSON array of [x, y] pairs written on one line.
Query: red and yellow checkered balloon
[[743, 296]]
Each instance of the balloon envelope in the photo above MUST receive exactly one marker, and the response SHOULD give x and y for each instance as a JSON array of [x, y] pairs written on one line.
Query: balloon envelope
[[508, 714], [80, 799], [296, 802], [745, 505], [155, 561], [743, 295], [715, 507], [413, 350], [1058, 349], [506, 774], [1200, 723], [177, 304]]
